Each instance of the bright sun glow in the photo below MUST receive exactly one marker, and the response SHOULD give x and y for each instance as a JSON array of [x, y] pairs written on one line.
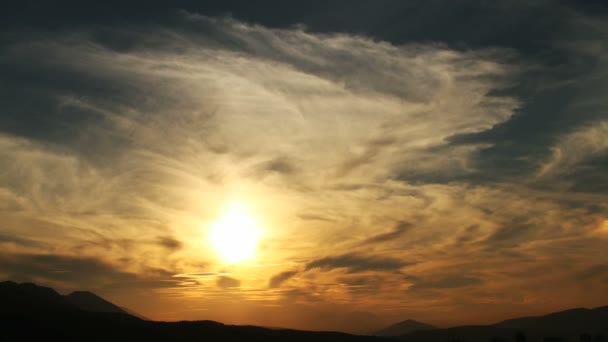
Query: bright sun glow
[[235, 234]]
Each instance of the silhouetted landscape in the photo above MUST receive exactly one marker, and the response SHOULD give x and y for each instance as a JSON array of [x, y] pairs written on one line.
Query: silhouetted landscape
[[29, 312], [290, 170], [403, 328]]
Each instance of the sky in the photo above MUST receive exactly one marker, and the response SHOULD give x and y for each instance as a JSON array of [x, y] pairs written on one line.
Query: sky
[[367, 161]]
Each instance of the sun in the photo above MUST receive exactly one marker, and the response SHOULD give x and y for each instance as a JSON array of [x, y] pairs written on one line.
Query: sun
[[235, 234]]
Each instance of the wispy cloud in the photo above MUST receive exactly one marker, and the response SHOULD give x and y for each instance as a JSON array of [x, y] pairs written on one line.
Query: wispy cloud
[[226, 282], [361, 158], [357, 263], [278, 279], [576, 148]]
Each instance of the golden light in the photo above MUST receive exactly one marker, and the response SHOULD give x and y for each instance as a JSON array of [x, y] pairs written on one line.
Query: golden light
[[235, 234], [604, 227]]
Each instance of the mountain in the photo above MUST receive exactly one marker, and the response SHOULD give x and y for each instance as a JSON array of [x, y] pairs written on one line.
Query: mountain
[[402, 328], [566, 326], [28, 298], [31, 312], [88, 301], [136, 314], [579, 320]]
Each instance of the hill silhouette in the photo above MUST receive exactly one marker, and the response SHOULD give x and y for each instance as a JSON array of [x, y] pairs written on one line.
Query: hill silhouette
[[404, 327], [584, 325], [31, 312], [89, 301], [575, 320], [30, 299]]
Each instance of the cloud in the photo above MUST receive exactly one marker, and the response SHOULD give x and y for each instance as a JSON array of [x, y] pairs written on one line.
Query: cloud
[[301, 88], [280, 165], [76, 272], [278, 279], [511, 234], [226, 282], [19, 240], [354, 263], [169, 243], [200, 274], [576, 148], [399, 230], [376, 152], [555, 139], [595, 271], [215, 106], [446, 282]]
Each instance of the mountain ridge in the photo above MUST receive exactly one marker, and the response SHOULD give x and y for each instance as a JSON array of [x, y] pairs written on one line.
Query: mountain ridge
[[403, 327], [47, 314], [88, 301], [50, 316]]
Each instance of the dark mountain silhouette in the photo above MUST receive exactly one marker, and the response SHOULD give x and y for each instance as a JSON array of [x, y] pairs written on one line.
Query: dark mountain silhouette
[[404, 327], [574, 320], [31, 312], [29, 298], [88, 301], [584, 325], [136, 314]]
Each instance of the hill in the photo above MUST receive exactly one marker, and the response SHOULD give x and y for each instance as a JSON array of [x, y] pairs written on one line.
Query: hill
[[404, 327], [31, 312], [584, 325], [89, 301]]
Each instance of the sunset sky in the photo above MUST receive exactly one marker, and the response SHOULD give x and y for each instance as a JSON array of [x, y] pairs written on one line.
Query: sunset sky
[[334, 165]]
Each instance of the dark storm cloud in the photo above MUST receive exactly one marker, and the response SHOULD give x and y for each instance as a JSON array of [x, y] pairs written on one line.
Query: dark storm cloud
[[354, 263], [280, 278], [226, 282]]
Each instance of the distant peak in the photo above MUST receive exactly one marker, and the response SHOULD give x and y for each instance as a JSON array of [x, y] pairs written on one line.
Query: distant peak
[[411, 321], [404, 327], [37, 289], [82, 294], [89, 301]]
